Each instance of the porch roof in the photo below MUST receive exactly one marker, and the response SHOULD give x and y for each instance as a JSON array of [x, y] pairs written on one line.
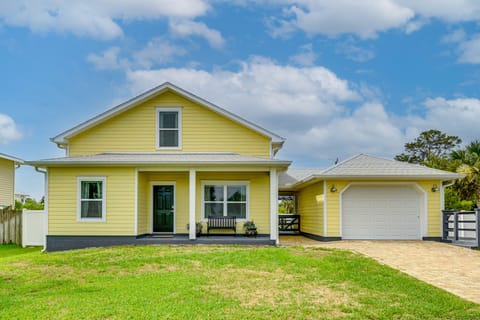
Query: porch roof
[[153, 158]]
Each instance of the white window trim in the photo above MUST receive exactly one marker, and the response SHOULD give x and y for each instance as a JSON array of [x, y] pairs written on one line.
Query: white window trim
[[225, 183], [157, 127], [79, 199]]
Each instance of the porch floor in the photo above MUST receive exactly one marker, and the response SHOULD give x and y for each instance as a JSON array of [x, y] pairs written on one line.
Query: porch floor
[[212, 239]]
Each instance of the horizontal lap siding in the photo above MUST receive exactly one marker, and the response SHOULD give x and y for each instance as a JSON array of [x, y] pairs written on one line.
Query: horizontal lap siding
[[63, 199], [310, 207], [202, 131], [259, 196], [333, 207], [434, 224], [7, 174]]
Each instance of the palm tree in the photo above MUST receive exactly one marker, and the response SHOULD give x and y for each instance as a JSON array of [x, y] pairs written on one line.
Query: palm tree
[[468, 163]]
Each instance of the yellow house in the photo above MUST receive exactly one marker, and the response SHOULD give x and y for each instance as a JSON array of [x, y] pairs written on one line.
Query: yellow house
[[153, 167], [368, 197], [7, 179]]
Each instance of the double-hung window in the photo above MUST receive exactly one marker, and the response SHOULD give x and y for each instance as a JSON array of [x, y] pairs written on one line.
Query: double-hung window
[[169, 121], [91, 198], [225, 199]]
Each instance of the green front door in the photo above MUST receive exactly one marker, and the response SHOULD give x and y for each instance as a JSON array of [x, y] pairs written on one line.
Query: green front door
[[163, 208]]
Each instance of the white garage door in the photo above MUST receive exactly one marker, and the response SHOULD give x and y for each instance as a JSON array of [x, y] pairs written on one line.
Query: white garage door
[[381, 212]]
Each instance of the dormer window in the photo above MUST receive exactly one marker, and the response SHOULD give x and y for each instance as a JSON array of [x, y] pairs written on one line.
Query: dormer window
[[169, 135]]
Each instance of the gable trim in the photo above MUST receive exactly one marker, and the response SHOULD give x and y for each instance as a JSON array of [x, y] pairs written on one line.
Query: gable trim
[[62, 138]]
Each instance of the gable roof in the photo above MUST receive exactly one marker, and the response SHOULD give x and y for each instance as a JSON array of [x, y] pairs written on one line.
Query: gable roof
[[11, 158], [62, 138], [364, 166]]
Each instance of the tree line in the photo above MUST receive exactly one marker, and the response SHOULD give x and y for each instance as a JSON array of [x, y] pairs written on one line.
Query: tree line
[[30, 204], [436, 149]]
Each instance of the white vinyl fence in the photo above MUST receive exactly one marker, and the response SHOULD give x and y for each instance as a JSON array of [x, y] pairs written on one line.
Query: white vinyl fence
[[34, 223]]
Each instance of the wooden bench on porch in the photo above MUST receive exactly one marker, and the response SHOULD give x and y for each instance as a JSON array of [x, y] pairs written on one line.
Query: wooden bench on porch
[[221, 223]]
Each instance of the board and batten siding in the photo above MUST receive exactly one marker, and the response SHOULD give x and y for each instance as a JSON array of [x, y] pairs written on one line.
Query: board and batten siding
[[7, 181], [433, 206], [310, 202], [63, 199], [259, 196], [202, 131]]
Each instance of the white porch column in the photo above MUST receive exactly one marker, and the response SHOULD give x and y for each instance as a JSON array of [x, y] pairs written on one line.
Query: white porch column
[[274, 205], [192, 204], [135, 201]]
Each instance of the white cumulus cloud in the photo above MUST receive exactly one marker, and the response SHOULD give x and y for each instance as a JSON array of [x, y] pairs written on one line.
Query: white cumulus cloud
[[185, 28], [368, 129], [453, 116], [364, 18], [469, 50], [107, 60], [8, 130], [97, 19], [158, 51], [367, 18], [309, 105], [306, 56], [260, 87]]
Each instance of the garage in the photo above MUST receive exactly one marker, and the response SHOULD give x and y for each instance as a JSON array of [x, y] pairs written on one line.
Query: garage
[[382, 212]]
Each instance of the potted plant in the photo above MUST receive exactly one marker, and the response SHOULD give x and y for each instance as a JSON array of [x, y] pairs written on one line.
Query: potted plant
[[198, 228], [250, 228]]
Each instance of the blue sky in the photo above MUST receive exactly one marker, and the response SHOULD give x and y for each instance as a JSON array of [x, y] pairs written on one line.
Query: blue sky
[[335, 78]]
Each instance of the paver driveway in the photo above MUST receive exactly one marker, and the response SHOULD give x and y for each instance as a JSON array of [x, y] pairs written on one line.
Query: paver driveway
[[446, 266]]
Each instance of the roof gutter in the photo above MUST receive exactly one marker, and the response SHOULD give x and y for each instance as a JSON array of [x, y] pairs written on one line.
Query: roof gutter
[[313, 178]]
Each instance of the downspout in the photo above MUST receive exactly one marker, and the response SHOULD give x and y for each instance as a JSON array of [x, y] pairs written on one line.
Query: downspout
[[442, 193], [45, 208], [16, 166]]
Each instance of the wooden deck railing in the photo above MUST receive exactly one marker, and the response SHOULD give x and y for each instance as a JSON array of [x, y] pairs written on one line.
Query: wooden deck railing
[[289, 223], [462, 227]]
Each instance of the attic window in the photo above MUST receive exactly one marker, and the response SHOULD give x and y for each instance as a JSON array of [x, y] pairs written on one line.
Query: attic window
[[169, 133]]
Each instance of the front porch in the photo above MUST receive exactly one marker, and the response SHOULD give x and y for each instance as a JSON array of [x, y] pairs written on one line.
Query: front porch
[[171, 202]]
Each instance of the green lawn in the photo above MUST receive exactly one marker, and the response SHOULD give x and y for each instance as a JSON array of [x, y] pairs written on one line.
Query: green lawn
[[8, 250], [215, 282]]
